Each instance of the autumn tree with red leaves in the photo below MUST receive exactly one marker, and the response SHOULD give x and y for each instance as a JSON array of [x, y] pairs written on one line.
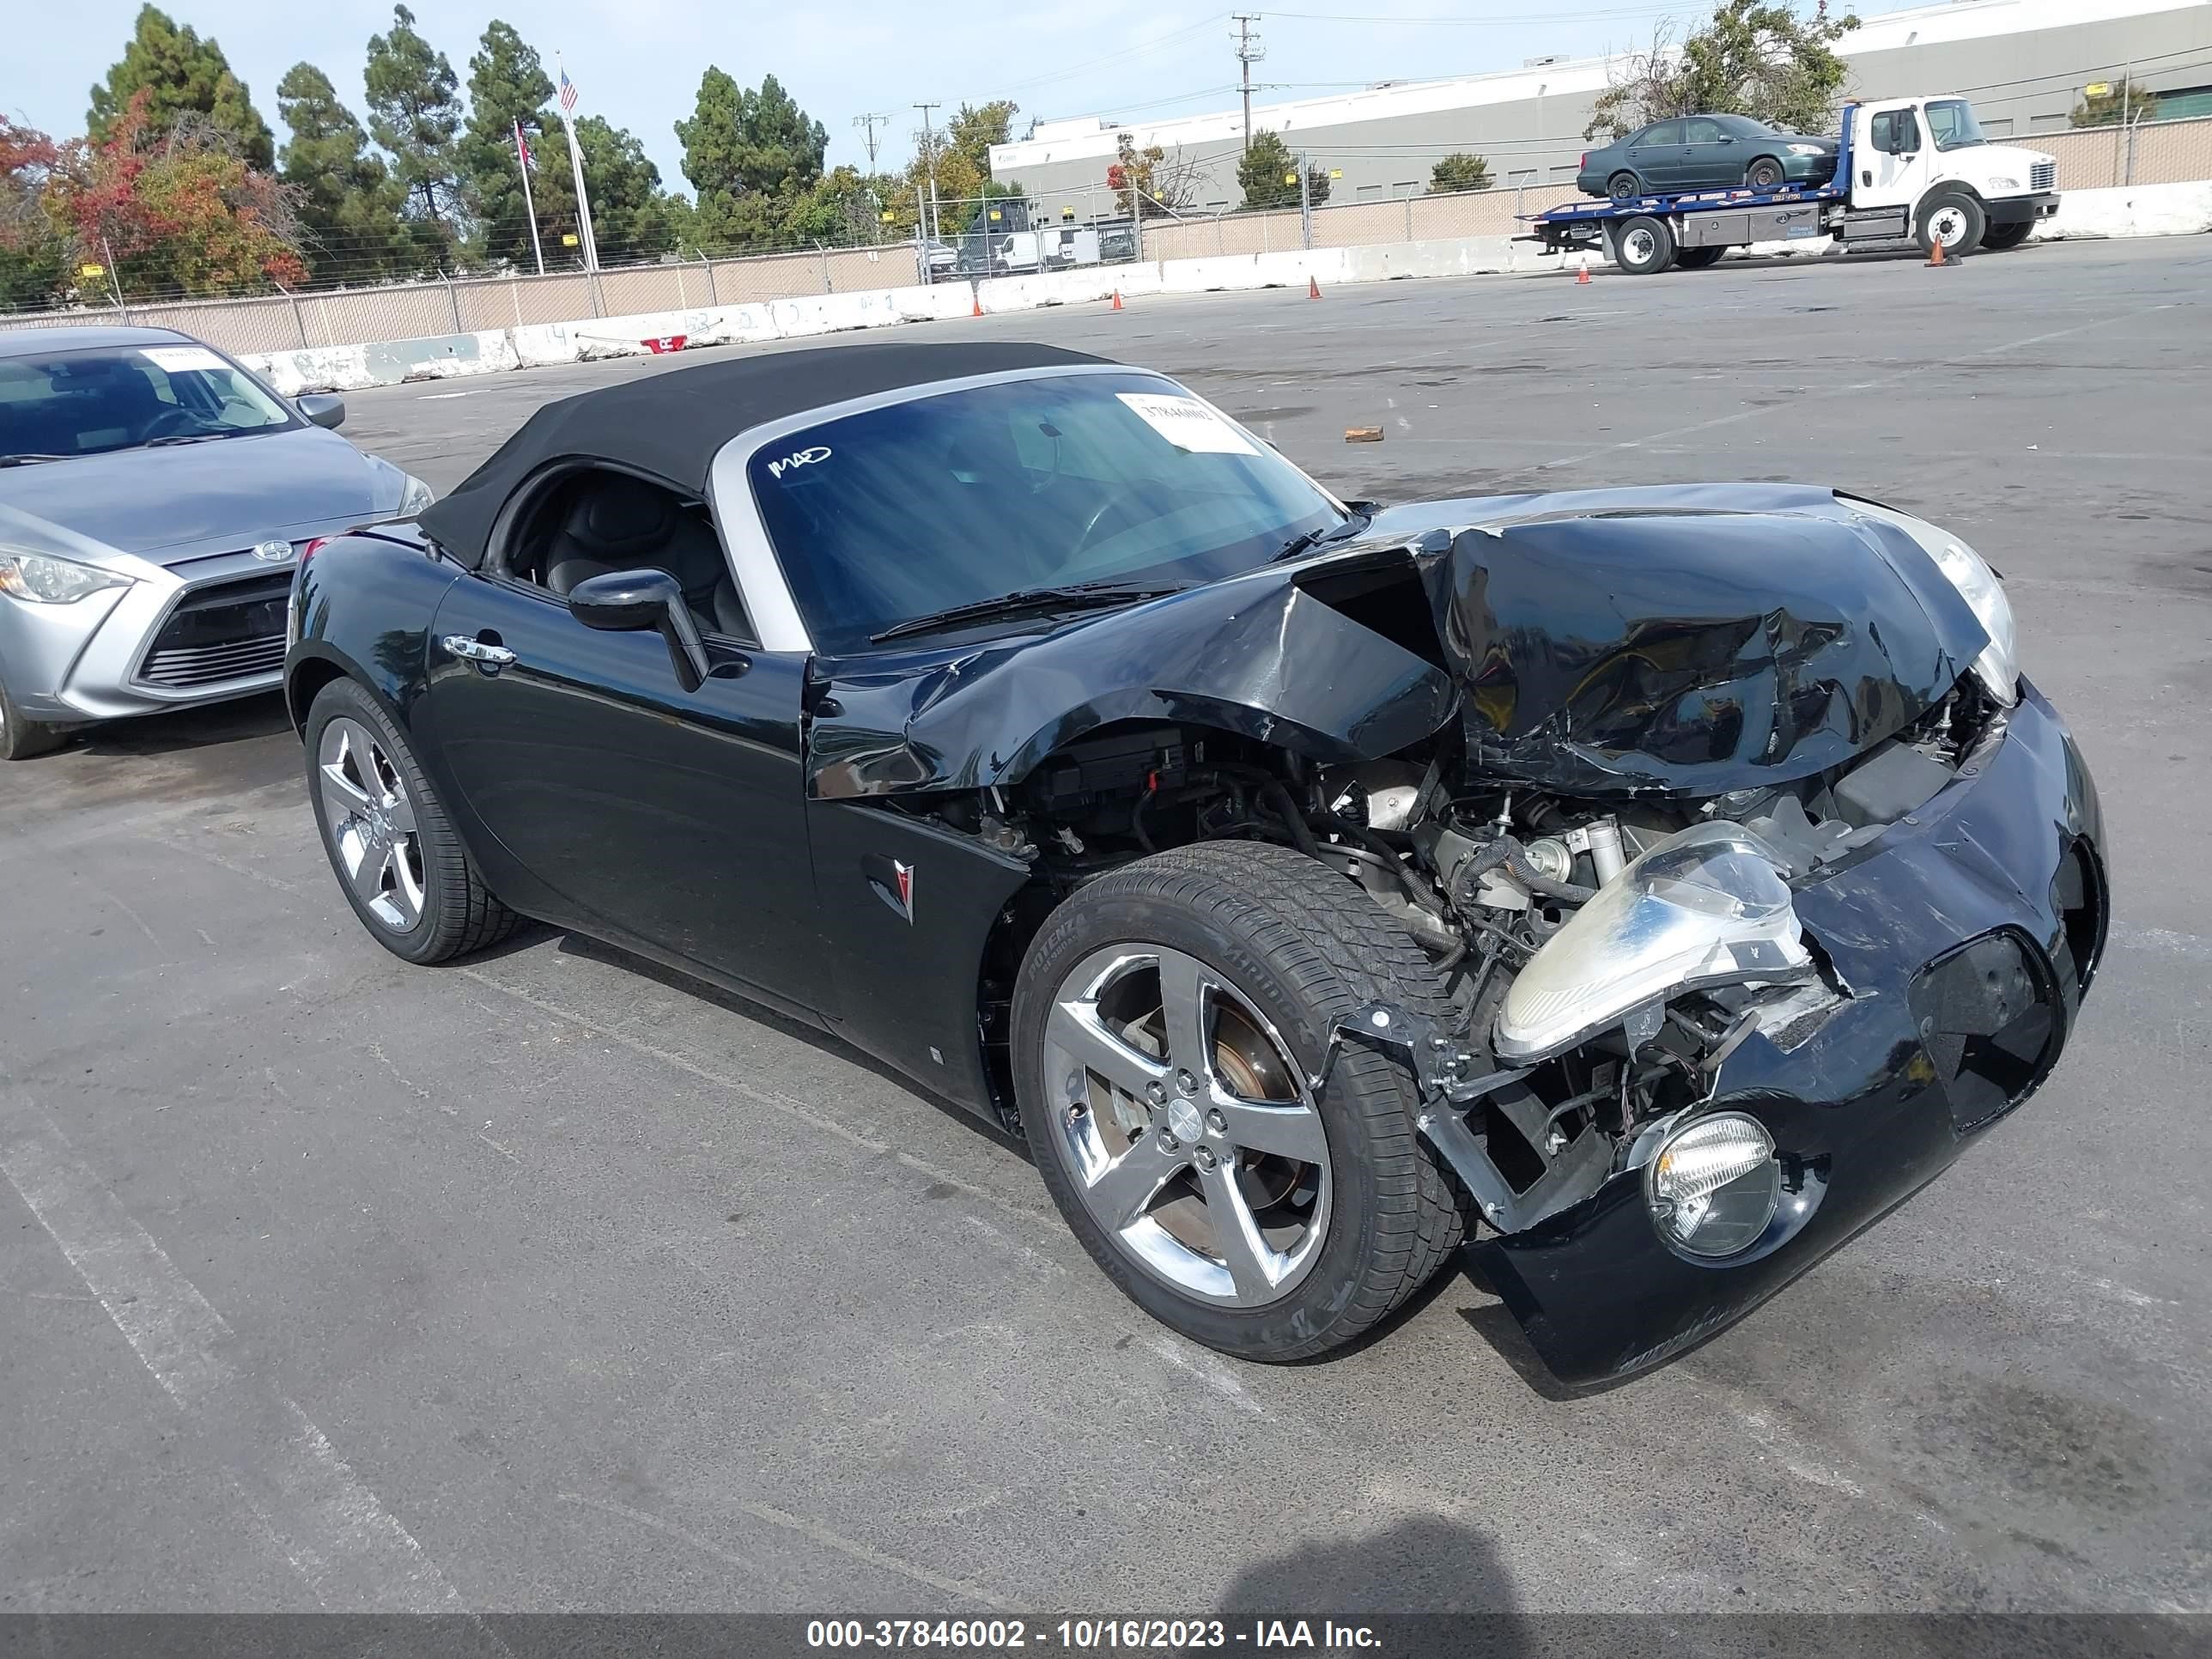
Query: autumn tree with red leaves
[[174, 210]]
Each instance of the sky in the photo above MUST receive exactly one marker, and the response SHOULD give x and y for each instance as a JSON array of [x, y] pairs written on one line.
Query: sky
[[638, 61]]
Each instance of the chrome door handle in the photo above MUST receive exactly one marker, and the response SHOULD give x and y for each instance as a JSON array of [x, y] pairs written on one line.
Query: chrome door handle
[[492, 656]]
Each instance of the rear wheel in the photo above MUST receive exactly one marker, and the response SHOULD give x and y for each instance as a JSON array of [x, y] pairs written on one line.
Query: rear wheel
[[1624, 187], [1643, 245], [1697, 258], [1998, 238], [1169, 1021], [1765, 174], [394, 851], [20, 738], [1953, 220]]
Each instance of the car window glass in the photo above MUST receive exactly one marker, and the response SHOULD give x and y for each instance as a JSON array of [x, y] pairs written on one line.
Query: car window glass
[[909, 509], [1666, 132], [1701, 131], [87, 401], [1951, 122]]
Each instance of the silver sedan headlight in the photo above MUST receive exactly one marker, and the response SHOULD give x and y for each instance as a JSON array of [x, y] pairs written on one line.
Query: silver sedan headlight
[[1706, 907], [416, 497], [42, 579], [1998, 666], [1805, 150]]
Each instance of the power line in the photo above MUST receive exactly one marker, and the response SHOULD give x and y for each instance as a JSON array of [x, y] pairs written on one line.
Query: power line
[[868, 124]]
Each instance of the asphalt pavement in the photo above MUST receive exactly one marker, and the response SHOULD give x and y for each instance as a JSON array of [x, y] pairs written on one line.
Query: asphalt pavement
[[548, 1281]]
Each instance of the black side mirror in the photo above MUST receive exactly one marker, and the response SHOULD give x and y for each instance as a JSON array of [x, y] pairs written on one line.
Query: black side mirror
[[632, 601], [323, 409]]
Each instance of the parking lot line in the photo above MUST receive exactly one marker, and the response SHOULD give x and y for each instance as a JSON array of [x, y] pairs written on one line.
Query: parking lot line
[[353, 1553]]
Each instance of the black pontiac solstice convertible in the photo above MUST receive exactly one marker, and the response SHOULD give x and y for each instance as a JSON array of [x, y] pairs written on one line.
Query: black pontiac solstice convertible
[[1647, 888]]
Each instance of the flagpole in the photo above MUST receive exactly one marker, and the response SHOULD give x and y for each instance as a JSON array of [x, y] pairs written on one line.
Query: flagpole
[[583, 200], [522, 161]]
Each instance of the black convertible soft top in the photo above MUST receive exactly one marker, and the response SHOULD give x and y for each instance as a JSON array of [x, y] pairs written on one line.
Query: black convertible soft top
[[672, 426]]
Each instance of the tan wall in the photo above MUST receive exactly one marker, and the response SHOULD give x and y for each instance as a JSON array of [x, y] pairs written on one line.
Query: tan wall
[[2164, 152]]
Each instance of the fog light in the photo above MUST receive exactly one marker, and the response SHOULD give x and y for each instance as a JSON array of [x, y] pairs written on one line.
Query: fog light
[[1713, 1187]]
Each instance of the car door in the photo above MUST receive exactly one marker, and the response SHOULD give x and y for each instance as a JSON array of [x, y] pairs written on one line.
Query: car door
[[630, 807], [1709, 155], [1892, 161], [1656, 155]]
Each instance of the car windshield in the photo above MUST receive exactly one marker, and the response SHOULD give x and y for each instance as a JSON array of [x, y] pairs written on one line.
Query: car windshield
[[1952, 122], [65, 403], [923, 506]]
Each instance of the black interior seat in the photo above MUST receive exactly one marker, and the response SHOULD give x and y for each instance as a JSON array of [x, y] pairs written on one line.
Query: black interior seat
[[617, 523]]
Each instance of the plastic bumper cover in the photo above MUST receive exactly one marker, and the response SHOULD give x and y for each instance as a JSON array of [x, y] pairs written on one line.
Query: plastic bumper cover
[[1967, 936]]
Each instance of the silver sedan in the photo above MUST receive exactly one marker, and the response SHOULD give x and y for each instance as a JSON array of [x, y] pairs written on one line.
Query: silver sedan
[[154, 498]]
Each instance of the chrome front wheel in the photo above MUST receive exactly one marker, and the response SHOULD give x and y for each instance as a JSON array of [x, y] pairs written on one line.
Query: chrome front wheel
[[370, 824], [1193, 1138]]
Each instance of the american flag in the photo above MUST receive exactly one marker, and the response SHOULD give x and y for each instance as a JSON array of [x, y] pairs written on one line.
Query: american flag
[[567, 94], [522, 147]]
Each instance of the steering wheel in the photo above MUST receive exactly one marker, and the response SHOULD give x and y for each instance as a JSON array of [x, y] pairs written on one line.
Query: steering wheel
[[168, 422], [1097, 515]]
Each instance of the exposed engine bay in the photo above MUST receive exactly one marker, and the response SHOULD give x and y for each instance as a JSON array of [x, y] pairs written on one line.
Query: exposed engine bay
[[1602, 958]]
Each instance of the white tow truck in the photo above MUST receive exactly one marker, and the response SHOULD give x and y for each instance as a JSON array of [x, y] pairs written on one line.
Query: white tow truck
[[1916, 169]]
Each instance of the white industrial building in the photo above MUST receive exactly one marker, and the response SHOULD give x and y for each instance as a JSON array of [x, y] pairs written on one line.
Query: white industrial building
[[2023, 63]]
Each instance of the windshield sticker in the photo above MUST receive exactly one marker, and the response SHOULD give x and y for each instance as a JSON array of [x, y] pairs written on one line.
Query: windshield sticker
[[804, 458], [1187, 423], [175, 360]]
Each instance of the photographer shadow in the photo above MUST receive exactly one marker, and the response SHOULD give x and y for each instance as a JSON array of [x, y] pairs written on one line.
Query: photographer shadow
[[1427, 1585]]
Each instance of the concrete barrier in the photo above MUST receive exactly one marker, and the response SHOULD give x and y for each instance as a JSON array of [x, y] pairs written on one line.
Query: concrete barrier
[[2141, 211], [2130, 210]]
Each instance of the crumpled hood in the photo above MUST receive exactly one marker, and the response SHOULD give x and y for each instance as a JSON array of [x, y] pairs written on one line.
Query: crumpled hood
[[1688, 640], [1691, 640], [183, 503]]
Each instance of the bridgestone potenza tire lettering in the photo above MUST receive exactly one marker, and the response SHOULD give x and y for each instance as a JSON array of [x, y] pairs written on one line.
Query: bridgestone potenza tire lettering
[[1304, 948], [459, 913]]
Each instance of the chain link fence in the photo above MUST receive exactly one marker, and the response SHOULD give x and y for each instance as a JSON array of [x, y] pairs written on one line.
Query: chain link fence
[[976, 237]]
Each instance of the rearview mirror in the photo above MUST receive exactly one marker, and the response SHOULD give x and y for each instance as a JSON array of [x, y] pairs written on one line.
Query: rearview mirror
[[632, 601], [324, 408]]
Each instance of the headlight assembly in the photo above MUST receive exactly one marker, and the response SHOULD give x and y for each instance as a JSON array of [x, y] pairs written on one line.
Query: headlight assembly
[[1704, 907], [1713, 1187], [42, 579], [1805, 149], [416, 497], [1998, 666], [2005, 184]]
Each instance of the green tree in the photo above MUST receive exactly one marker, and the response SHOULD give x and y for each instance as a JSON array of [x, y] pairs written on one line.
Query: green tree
[[1460, 171], [179, 71], [508, 83], [1269, 174], [349, 204], [2122, 99], [632, 217], [1755, 57], [415, 112], [740, 144], [970, 133]]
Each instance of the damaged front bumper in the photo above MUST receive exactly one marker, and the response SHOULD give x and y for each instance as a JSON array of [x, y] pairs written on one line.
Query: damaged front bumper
[[1966, 936]]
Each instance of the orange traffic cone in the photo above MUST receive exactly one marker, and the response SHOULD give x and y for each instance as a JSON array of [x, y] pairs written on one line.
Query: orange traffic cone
[[1313, 288], [1936, 251], [1582, 272], [1117, 299], [979, 305]]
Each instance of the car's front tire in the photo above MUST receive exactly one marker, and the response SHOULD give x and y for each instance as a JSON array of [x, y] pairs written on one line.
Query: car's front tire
[[21, 738], [1765, 174], [400, 865], [1643, 245], [1168, 1020], [1955, 219]]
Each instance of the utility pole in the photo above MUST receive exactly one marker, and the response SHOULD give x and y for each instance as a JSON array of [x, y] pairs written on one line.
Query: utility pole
[[929, 161], [868, 124], [1249, 52], [1305, 201]]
